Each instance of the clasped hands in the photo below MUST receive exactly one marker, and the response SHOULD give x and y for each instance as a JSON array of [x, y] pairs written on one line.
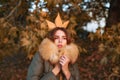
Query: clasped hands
[[62, 65]]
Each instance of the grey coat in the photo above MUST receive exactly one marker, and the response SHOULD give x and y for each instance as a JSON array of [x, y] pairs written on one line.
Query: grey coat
[[40, 69]]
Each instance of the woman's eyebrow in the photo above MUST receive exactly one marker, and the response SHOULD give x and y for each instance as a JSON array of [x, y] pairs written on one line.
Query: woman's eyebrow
[[64, 36], [55, 35]]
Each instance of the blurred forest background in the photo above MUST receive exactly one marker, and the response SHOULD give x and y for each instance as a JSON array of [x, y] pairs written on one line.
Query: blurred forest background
[[23, 26]]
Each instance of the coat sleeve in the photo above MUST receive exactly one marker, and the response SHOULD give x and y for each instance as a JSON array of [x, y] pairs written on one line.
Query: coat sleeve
[[75, 75], [36, 70]]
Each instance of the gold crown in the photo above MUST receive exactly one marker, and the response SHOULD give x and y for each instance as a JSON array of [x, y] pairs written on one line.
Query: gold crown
[[58, 23]]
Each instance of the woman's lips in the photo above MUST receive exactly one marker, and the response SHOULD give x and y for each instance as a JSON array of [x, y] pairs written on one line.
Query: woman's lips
[[59, 46]]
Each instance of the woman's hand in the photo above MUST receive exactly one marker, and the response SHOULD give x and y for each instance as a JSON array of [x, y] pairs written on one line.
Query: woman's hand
[[64, 61], [56, 69]]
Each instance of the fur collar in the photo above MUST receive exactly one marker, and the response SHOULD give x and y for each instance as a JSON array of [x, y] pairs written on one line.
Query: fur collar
[[49, 51]]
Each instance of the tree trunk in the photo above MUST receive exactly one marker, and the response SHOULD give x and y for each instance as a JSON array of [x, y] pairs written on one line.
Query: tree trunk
[[114, 13]]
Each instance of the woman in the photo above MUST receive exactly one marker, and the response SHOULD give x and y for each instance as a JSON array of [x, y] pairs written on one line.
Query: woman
[[56, 59]]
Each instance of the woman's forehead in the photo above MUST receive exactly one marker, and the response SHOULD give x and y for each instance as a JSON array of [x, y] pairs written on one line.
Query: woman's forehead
[[60, 32]]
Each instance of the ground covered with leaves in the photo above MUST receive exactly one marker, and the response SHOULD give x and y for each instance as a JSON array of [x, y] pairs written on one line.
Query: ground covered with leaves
[[14, 67], [90, 66]]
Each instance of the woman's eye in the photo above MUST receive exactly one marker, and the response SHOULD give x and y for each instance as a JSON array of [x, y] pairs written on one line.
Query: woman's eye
[[55, 37], [64, 38]]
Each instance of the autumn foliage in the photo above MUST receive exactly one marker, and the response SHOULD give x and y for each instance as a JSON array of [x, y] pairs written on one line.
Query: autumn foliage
[[20, 37]]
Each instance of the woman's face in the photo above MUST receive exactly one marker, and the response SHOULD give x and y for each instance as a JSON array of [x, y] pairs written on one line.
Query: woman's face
[[60, 38]]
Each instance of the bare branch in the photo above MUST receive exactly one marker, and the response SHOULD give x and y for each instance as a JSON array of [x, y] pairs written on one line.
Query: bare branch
[[113, 75], [14, 9]]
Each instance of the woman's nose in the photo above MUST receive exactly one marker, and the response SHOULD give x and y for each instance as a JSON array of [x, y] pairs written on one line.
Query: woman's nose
[[60, 40]]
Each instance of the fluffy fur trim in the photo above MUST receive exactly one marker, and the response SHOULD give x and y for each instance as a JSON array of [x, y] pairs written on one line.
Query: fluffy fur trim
[[49, 51], [71, 51]]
